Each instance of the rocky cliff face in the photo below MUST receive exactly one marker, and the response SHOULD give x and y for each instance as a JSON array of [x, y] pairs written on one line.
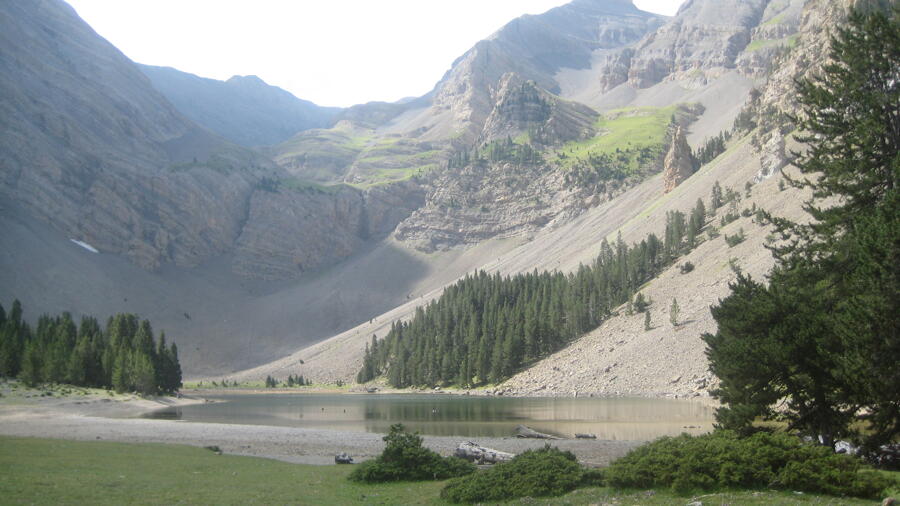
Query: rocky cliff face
[[289, 232], [485, 201], [679, 163], [524, 108], [243, 109], [706, 38], [535, 48], [816, 22]]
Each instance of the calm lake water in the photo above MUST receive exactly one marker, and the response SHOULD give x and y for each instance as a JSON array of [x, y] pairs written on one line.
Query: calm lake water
[[450, 415]]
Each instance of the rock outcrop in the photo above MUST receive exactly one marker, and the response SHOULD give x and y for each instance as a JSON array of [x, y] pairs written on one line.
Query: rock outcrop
[[703, 40], [290, 232], [679, 163], [524, 108], [535, 47]]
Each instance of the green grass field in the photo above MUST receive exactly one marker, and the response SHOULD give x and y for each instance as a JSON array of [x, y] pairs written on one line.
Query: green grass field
[[47, 471], [624, 129]]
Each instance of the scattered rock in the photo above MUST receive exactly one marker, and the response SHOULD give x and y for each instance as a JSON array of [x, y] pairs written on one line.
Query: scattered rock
[[343, 458]]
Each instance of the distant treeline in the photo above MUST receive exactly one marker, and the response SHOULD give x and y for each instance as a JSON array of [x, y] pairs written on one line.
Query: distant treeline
[[124, 356], [484, 328]]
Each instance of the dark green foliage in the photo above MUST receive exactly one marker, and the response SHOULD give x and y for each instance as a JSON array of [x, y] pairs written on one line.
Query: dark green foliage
[[687, 267], [124, 357], [734, 240], [712, 148], [405, 459], [647, 324], [592, 478], [533, 473], [485, 327], [824, 334], [497, 151], [724, 460], [640, 303], [601, 172], [715, 199]]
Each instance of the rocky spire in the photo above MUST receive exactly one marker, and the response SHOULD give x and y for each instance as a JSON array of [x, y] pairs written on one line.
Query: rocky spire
[[679, 163]]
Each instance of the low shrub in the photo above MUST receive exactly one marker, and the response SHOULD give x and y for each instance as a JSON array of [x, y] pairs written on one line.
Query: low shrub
[[405, 459], [734, 240], [723, 460], [534, 473]]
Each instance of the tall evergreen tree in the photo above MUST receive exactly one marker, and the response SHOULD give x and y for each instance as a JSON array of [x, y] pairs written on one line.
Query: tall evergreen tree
[[819, 334]]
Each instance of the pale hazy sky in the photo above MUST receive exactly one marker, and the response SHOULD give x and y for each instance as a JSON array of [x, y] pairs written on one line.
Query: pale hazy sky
[[333, 52]]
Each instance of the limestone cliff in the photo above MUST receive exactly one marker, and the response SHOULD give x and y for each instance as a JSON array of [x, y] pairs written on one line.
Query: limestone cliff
[[289, 232], [704, 40], [534, 47], [524, 108]]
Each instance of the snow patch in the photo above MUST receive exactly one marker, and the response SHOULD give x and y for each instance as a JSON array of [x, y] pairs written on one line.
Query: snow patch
[[85, 245]]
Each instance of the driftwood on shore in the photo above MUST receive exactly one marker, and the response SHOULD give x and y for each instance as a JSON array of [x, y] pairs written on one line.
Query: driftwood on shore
[[523, 431], [585, 436], [474, 453]]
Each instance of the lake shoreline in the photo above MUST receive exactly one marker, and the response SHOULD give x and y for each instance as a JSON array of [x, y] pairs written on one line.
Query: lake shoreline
[[100, 416], [359, 390]]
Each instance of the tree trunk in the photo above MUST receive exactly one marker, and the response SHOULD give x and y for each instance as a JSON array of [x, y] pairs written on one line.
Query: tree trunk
[[523, 431], [474, 453]]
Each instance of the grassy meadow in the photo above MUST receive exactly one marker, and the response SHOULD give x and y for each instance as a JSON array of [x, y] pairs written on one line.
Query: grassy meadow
[[49, 471]]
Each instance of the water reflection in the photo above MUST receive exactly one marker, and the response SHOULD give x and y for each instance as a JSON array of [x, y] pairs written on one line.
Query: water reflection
[[443, 415]]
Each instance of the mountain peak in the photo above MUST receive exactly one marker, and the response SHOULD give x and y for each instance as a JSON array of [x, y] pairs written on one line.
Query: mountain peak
[[251, 79]]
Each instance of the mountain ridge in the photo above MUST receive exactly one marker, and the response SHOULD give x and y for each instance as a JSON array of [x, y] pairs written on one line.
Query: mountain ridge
[[243, 109], [521, 158]]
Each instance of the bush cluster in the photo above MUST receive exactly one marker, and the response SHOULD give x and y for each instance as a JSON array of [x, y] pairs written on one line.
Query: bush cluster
[[724, 460], [405, 459], [534, 473]]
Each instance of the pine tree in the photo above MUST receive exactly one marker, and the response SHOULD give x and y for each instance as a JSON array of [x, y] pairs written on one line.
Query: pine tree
[[31, 365], [818, 335], [715, 200], [647, 325], [673, 312]]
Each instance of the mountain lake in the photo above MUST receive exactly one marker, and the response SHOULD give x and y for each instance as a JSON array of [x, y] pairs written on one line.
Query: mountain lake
[[453, 415]]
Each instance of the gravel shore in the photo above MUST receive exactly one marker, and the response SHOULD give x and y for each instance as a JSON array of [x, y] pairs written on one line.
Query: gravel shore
[[113, 418]]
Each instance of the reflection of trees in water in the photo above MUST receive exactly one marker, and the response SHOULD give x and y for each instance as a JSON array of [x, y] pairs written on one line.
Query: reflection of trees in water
[[442, 415]]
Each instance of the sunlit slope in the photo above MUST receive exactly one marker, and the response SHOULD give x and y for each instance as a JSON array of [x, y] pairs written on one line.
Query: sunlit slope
[[648, 361]]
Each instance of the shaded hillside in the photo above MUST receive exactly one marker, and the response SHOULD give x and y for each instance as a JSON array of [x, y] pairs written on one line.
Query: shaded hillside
[[92, 148], [94, 153], [243, 109]]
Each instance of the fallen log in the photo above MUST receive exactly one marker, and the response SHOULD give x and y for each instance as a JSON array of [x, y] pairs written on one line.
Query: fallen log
[[527, 432], [343, 458], [585, 436], [474, 453]]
